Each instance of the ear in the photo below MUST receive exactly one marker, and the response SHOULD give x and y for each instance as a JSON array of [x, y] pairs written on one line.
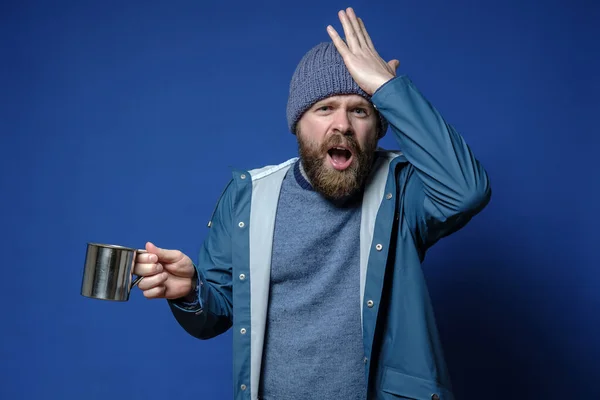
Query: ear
[[380, 124]]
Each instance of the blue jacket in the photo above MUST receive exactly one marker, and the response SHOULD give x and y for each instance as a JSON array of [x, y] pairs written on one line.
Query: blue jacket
[[413, 199]]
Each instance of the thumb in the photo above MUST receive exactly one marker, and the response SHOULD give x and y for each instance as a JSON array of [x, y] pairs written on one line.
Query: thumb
[[394, 64], [164, 255]]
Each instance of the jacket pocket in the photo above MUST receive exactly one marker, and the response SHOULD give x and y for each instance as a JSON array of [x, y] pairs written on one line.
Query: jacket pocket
[[409, 387]]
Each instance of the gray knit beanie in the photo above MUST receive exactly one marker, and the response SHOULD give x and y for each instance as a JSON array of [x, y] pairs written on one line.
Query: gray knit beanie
[[321, 73]]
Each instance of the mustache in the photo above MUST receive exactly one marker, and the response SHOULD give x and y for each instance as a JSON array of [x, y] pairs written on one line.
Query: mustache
[[338, 140]]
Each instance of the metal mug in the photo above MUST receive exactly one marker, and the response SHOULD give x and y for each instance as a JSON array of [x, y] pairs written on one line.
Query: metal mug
[[108, 272]]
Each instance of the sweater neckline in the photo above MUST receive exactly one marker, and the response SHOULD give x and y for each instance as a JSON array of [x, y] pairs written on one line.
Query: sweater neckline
[[301, 179]]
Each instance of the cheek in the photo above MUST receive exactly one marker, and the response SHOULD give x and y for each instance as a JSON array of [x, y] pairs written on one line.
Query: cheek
[[314, 128], [363, 126], [307, 142], [312, 133], [367, 138]]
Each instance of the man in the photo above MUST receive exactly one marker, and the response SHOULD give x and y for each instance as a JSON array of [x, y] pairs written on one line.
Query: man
[[316, 262]]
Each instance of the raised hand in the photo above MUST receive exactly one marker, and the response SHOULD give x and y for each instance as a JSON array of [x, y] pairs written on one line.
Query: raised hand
[[168, 274], [365, 65]]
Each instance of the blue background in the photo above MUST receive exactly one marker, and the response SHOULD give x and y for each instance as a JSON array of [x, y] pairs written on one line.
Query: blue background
[[120, 122]]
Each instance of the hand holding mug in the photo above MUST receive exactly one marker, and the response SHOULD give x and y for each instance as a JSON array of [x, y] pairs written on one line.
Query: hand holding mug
[[167, 274]]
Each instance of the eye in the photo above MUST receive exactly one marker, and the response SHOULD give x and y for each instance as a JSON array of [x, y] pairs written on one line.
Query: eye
[[324, 109], [360, 111]]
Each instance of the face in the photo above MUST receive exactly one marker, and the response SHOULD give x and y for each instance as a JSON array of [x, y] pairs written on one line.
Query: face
[[337, 139]]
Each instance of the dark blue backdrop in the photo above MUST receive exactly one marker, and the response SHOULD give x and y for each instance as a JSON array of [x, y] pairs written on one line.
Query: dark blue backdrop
[[120, 120]]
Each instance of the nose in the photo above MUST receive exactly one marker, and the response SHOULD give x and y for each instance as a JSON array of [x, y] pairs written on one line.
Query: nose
[[341, 122]]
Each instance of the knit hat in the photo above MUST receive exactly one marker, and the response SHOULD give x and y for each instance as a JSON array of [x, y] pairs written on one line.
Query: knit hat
[[321, 73]]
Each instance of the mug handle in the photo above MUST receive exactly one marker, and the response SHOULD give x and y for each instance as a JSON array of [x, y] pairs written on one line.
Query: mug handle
[[138, 278]]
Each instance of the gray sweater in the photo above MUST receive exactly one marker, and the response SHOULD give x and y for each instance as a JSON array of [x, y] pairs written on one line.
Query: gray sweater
[[313, 344]]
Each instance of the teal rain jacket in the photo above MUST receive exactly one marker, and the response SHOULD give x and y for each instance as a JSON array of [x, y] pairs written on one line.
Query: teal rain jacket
[[413, 199]]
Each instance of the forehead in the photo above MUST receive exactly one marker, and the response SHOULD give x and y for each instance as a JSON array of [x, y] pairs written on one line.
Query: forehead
[[350, 99]]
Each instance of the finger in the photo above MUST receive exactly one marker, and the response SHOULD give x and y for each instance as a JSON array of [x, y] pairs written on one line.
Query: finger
[[356, 26], [164, 255], [341, 46], [349, 32], [146, 258], [366, 34], [147, 269], [150, 282], [177, 287], [180, 269], [157, 292]]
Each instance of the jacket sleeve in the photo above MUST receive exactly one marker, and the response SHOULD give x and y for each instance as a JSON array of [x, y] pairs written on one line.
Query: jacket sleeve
[[446, 185], [211, 314]]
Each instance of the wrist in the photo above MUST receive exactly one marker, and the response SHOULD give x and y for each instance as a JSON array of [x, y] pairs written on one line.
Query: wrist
[[193, 293], [380, 81]]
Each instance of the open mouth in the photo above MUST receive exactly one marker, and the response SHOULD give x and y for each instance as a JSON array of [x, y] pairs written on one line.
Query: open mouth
[[340, 157]]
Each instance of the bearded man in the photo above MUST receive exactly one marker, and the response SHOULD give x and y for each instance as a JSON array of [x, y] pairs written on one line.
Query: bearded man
[[316, 262]]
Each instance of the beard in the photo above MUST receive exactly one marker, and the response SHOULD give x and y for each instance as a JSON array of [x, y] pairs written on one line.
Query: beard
[[333, 184]]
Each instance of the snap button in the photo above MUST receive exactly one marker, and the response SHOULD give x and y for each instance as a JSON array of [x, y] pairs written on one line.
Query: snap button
[[388, 196], [365, 360], [243, 387], [243, 331], [435, 397], [379, 247], [370, 303], [243, 176], [241, 224], [242, 277]]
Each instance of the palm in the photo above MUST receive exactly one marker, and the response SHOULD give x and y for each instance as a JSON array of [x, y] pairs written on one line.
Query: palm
[[365, 65]]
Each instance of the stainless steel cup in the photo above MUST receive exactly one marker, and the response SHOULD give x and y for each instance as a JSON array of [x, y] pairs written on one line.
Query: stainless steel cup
[[108, 272]]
